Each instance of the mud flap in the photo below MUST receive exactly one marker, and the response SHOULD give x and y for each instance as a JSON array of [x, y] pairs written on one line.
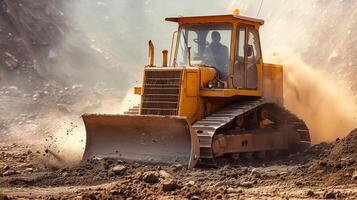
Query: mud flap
[[142, 138]]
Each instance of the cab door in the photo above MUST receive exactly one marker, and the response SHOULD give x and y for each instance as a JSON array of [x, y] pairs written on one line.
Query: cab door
[[247, 58]]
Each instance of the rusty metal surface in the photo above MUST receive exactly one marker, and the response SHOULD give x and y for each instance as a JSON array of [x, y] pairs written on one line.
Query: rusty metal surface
[[144, 138]]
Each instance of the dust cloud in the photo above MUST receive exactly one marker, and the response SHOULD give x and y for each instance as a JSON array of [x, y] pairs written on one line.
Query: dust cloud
[[65, 143], [66, 140], [115, 106], [326, 104]]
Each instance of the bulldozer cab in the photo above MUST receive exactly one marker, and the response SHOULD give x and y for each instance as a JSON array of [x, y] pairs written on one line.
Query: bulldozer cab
[[229, 43]]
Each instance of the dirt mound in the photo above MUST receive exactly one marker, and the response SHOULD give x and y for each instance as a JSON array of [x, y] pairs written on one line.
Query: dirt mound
[[345, 149], [337, 165]]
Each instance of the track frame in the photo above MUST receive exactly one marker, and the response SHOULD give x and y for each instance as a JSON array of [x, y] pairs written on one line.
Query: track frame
[[231, 131]]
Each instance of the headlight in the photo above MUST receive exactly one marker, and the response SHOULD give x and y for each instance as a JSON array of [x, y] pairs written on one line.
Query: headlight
[[211, 84]]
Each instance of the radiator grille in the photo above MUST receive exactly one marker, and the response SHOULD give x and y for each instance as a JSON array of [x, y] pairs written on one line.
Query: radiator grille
[[161, 95]]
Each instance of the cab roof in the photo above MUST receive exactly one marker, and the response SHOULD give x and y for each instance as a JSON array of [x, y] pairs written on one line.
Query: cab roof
[[215, 18]]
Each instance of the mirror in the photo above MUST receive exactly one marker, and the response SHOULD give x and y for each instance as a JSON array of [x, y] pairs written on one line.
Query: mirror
[[173, 46], [249, 50]]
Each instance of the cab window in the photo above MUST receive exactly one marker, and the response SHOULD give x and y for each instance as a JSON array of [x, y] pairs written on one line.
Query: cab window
[[210, 45]]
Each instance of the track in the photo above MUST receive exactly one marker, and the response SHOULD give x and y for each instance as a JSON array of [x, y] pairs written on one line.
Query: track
[[208, 127]]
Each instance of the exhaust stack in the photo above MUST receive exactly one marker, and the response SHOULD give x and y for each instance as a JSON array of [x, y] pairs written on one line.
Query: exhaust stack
[[151, 53], [164, 58]]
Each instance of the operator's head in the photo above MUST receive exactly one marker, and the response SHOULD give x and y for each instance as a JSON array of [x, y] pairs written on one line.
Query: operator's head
[[216, 37]]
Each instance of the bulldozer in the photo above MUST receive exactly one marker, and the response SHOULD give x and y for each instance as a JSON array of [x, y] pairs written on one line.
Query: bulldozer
[[213, 97]]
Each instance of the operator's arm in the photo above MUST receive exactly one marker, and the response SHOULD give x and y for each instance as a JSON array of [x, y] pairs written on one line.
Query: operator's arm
[[207, 57]]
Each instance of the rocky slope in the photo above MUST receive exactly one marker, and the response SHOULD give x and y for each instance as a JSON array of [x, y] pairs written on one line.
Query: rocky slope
[[39, 44]]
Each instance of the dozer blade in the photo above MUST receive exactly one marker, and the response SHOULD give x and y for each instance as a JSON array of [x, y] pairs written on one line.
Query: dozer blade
[[143, 138]]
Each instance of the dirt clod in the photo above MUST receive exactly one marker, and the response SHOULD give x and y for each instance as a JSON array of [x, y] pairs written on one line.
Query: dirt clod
[[310, 193], [190, 183], [354, 175], [170, 185], [195, 198], [177, 167], [247, 184], [118, 169], [164, 174], [151, 177], [330, 195], [255, 173], [9, 172]]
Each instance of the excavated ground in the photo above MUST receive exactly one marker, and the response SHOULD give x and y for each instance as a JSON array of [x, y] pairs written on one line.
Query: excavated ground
[[323, 171]]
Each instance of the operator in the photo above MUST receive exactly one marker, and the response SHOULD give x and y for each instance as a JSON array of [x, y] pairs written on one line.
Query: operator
[[219, 53]]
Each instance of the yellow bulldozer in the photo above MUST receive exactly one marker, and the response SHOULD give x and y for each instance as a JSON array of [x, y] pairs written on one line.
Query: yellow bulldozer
[[213, 96]]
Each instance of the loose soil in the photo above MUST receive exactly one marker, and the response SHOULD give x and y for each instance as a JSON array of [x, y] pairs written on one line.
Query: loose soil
[[325, 170]]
